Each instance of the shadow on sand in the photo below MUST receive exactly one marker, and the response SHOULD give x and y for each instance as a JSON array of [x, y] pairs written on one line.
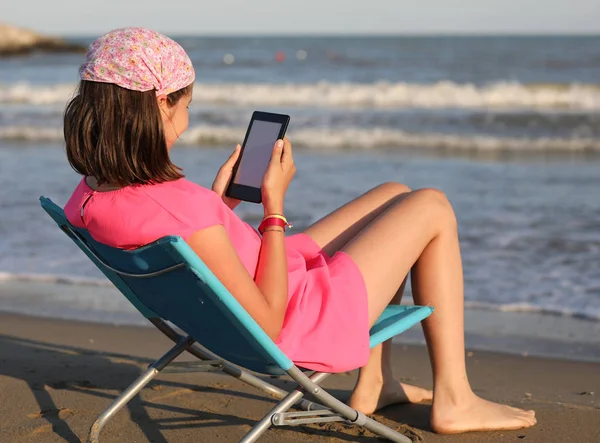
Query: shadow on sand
[[47, 368]]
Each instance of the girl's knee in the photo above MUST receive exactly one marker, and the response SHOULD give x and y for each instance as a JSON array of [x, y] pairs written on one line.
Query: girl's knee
[[392, 189], [432, 196]]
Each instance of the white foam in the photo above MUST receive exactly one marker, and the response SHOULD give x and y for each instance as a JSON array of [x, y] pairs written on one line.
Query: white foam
[[350, 138], [37, 95], [31, 134], [382, 138], [444, 94]]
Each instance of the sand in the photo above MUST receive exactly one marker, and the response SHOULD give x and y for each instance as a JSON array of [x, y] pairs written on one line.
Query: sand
[[57, 376]]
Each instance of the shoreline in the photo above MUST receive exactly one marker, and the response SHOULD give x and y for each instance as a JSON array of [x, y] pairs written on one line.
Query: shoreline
[[56, 376], [510, 332]]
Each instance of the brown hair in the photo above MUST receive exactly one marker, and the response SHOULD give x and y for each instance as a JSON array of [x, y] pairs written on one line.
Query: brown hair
[[116, 135]]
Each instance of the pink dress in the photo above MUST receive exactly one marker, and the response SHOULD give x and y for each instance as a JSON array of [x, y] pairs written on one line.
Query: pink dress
[[326, 322]]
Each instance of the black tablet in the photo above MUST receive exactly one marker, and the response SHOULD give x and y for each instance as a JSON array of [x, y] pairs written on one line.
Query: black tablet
[[264, 130]]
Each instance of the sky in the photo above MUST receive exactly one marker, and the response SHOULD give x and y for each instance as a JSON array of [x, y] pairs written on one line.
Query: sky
[[81, 17]]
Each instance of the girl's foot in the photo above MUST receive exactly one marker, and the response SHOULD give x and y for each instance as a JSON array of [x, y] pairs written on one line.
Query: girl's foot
[[371, 398], [476, 414]]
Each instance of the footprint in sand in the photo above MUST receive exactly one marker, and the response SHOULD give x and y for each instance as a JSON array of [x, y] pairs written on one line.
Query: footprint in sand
[[60, 414]]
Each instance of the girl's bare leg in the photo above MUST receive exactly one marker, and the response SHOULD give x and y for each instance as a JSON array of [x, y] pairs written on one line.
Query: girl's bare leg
[[419, 231], [331, 233]]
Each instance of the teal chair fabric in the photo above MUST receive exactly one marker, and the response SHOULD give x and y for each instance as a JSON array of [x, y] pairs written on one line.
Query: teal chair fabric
[[167, 280], [170, 285]]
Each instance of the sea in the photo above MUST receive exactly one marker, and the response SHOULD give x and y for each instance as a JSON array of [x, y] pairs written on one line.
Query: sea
[[507, 127]]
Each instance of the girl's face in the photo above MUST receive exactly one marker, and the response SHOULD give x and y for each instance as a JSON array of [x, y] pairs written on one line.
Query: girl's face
[[175, 118]]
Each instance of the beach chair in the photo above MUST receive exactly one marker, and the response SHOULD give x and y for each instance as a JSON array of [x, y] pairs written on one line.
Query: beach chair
[[171, 286]]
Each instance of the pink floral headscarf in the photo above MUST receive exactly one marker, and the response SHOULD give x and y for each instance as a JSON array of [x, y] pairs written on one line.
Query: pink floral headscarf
[[139, 59]]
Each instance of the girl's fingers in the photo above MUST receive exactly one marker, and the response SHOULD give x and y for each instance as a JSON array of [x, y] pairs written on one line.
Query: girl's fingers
[[287, 159], [277, 151], [234, 155], [287, 152]]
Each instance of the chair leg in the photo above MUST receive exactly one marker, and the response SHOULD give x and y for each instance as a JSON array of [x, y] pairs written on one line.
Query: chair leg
[[385, 431], [288, 401], [352, 415], [152, 371], [204, 354]]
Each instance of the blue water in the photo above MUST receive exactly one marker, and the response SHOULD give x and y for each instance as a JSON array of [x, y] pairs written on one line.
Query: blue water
[[508, 127]]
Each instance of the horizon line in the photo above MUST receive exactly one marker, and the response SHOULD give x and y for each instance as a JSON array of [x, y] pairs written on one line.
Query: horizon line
[[362, 34]]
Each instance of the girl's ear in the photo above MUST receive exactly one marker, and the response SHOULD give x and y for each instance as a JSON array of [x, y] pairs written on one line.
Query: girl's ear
[[163, 105], [162, 101]]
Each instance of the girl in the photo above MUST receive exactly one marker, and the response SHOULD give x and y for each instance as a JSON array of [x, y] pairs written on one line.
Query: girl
[[317, 293]]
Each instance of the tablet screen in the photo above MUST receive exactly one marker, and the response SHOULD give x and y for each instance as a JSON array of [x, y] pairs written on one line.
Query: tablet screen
[[257, 153]]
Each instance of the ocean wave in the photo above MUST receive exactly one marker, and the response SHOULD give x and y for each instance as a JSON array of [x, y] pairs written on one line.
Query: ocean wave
[[31, 134], [559, 311], [351, 138], [54, 279], [24, 93], [384, 138], [440, 95]]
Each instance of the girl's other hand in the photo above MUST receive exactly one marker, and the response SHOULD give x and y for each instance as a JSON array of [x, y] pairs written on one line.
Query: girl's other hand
[[224, 176], [279, 174]]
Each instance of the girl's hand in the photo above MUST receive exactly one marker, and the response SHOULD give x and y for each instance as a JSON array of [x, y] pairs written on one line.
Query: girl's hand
[[279, 174], [224, 176]]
